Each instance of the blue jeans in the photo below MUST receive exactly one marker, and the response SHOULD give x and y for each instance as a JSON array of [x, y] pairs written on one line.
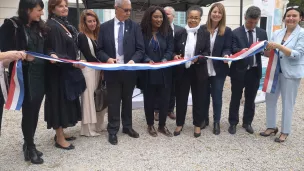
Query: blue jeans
[[215, 89]]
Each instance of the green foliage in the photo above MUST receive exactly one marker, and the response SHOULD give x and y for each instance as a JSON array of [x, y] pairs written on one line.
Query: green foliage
[[296, 3]]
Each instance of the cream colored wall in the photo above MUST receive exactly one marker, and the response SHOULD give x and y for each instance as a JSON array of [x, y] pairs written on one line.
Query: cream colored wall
[[232, 8]]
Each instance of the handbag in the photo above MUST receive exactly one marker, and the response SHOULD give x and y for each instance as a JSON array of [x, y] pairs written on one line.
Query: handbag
[[100, 96]]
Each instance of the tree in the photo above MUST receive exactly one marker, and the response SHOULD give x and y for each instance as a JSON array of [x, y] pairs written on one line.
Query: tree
[[299, 3]]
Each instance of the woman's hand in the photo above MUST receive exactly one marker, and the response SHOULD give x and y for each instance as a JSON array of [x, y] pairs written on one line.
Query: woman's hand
[[54, 56], [80, 66], [29, 57], [226, 61], [12, 55], [272, 45], [195, 60]]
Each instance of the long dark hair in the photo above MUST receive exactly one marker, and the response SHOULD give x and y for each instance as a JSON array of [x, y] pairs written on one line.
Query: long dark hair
[[24, 6], [146, 22]]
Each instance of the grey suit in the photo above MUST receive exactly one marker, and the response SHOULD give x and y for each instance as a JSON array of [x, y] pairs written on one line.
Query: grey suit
[[292, 70]]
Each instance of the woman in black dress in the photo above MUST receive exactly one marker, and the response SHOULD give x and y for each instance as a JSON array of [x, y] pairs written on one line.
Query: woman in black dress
[[27, 32], [158, 39], [64, 82]]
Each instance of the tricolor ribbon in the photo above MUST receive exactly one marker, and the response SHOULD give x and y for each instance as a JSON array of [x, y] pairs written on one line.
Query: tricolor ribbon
[[16, 90], [272, 73]]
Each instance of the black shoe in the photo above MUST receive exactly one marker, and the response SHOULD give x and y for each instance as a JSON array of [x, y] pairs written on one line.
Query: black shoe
[[273, 131], [113, 139], [232, 129], [248, 128], [204, 124], [164, 130], [71, 147], [216, 128], [31, 155], [131, 132], [67, 139], [278, 140], [176, 133], [39, 153], [196, 134]]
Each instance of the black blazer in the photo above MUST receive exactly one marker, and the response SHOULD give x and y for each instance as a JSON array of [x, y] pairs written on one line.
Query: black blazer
[[202, 48], [133, 47], [222, 46], [240, 41], [165, 53]]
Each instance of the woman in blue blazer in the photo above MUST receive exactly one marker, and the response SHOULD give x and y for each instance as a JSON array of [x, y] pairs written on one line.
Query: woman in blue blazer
[[158, 39], [289, 43], [220, 45]]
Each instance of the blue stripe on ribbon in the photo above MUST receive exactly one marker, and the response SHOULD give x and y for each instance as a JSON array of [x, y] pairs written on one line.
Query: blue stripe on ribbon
[[276, 73], [21, 84]]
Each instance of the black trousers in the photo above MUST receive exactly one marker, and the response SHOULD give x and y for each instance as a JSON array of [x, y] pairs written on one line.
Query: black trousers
[[1, 107], [119, 92], [151, 94], [251, 84], [171, 100], [198, 90], [30, 116]]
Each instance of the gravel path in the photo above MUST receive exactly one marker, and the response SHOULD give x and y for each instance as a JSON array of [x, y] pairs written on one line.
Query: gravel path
[[208, 152]]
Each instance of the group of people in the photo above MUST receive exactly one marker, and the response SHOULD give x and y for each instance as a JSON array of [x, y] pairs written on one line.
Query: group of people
[[156, 39]]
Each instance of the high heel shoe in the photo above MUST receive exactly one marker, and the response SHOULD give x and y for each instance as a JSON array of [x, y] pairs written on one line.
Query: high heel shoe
[[67, 139], [196, 134], [278, 140], [30, 154], [176, 133], [274, 131]]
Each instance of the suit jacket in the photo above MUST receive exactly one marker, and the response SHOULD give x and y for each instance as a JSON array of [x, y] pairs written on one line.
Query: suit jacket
[[202, 48], [133, 47], [239, 68], [222, 46], [292, 66], [164, 53], [177, 29]]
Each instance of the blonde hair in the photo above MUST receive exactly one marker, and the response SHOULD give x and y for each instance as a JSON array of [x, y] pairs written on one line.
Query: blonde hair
[[222, 23], [83, 26]]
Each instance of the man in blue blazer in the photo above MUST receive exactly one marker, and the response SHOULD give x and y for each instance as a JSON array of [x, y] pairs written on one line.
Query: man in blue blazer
[[246, 73], [120, 41]]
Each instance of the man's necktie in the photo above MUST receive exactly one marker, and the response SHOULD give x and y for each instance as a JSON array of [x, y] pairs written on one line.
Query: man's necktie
[[120, 39], [250, 42]]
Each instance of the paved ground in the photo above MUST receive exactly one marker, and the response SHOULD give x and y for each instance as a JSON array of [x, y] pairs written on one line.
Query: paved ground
[[208, 152]]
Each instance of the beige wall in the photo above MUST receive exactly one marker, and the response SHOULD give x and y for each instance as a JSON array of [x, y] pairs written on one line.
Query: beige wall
[[8, 8], [232, 8]]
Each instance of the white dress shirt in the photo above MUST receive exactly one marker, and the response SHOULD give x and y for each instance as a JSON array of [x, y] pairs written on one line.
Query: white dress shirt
[[119, 59], [210, 66], [172, 26], [255, 39]]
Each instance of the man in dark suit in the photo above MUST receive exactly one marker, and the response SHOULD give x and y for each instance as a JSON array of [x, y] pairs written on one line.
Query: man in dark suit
[[170, 14], [120, 41], [245, 73]]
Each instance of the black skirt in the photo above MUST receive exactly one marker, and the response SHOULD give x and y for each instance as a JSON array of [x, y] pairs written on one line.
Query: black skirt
[[59, 111]]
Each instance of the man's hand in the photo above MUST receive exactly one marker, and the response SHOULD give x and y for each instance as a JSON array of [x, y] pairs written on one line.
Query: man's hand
[[111, 61], [195, 60], [151, 62], [176, 57], [131, 62]]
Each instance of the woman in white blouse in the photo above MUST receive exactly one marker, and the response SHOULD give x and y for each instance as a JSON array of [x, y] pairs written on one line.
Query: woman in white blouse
[[220, 45]]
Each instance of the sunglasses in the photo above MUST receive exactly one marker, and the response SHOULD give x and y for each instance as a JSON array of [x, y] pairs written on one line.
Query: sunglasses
[[292, 7], [125, 10]]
